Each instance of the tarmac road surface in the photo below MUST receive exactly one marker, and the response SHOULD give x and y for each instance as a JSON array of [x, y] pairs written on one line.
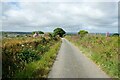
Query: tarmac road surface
[[71, 63]]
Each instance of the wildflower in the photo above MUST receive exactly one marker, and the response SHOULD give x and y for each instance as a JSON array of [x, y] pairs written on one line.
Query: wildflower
[[22, 45]]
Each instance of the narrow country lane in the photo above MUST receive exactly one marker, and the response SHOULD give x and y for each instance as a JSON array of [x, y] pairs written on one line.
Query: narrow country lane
[[71, 63]]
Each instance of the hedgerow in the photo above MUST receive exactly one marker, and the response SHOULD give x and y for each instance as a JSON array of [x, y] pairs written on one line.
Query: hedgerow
[[17, 53]]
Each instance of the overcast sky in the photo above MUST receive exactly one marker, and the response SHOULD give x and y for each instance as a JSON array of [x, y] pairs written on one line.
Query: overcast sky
[[70, 15]]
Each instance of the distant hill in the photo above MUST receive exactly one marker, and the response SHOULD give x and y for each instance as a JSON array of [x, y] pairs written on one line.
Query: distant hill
[[16, 32]]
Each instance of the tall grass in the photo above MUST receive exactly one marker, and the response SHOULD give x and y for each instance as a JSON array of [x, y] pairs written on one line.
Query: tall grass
[[102, 50]]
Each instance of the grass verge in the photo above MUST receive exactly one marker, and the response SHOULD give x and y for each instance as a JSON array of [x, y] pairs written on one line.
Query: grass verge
[[102, 50]]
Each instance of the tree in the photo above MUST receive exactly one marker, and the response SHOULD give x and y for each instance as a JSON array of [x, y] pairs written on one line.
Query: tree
[[33, 32], [59, 31], [115, 34], [40, 32], [82, 33]]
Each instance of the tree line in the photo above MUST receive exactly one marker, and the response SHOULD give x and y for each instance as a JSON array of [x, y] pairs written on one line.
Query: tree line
[[61, 33]]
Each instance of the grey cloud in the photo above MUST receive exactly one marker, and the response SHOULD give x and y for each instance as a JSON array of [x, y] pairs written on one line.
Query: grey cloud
[[70, 16]]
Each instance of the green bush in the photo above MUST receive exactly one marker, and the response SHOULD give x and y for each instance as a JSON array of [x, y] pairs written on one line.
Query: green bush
[[28, 55], [40, 32], [82, 33], [40, 68]]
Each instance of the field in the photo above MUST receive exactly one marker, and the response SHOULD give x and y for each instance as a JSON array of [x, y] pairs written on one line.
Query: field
[[28, 57], [101, 49]]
